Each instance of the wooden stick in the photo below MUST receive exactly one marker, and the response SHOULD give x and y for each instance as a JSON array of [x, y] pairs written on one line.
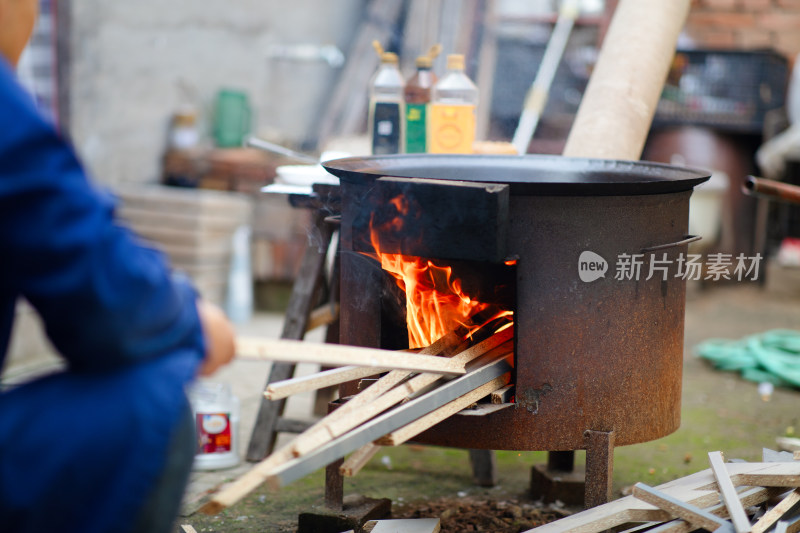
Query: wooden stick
[[699, 489], [249, 481], [326, 378], [434, 417], [777, 512], [339, 355], [728, 493], [318, 431], [362, 407], [339, 425], [322, 316], [503, 395], [236, 490], [358, 459], [188, 529], [691, 513], [386, 423], [749, 497]]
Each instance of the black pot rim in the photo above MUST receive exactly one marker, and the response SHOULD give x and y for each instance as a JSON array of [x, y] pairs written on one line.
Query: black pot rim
[[539, 175]]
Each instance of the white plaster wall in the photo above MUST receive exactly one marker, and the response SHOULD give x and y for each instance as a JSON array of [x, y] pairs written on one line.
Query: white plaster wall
[[130, 58]]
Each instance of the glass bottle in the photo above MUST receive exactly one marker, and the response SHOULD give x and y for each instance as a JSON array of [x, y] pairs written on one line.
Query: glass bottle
[[417, 97], [386, 106], [452, 111]]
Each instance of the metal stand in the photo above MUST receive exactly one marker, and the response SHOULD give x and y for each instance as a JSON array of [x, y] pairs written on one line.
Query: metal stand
[[560, 480], [599, 467]]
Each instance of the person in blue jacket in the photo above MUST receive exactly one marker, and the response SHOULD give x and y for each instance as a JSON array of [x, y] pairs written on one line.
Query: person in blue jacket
[[107, 443]]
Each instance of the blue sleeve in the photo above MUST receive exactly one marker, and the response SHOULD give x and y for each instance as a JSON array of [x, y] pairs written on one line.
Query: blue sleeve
[[106, 300]]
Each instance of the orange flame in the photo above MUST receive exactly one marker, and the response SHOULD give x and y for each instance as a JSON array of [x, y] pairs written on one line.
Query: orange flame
[[435, 301]]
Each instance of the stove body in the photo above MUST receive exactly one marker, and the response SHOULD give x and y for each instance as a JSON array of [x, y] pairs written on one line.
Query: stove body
[[600, 356]]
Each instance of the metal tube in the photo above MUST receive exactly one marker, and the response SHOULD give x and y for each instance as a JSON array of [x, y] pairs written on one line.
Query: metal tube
[[772, 189]]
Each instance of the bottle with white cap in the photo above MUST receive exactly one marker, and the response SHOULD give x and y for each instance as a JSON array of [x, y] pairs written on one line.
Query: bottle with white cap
[[452, 110], [386, 105]]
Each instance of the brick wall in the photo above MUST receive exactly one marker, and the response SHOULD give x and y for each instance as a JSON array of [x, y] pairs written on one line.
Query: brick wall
[[746, 24]]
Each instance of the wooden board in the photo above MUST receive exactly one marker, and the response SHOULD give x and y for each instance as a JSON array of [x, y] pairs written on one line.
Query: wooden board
[[358, 459], [319, 380], [386, 423], [741, 524], [412, 525], [776, 513], [690, 513], [699, 489], [291, 351], [434, 417]]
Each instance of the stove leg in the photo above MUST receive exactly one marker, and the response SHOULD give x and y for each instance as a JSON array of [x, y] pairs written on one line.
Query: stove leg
[[599, 467], [334, 486], [484, 467]]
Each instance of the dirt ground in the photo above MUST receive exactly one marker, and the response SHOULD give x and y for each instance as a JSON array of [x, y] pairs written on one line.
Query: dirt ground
[[720, 411]]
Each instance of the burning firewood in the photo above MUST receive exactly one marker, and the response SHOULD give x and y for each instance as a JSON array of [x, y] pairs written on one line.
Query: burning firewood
[[388, 422], [339, 433], [336, 426]]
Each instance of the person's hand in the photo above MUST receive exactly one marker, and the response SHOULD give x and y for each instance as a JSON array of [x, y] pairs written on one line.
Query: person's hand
[[219, 335]]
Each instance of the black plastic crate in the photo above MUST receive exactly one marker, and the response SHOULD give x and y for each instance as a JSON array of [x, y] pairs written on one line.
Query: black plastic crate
[[724, 89]]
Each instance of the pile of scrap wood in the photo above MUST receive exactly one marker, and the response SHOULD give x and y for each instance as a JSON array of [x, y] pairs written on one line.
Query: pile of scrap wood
[[418, 391], [735, 496]]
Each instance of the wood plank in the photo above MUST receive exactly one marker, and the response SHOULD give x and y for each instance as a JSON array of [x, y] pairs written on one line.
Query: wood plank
[[403, 525], [386, 423], [319, 380], [188, 529], [341, 425], [699, 489], [741, 523], [338, 424], [765, 474], [231, 493], [322, 316], [291, 351], [692, 514], [776, 513], [238, 489], [446, 345], [503, 395], [358, 459], [749, 497], [483, 409], [434, 417]]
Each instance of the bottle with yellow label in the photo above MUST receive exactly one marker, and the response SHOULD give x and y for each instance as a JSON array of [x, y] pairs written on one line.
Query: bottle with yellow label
[[451, 120]]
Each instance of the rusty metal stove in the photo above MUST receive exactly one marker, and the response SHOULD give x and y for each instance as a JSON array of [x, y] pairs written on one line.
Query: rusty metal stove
[[598, 364]]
